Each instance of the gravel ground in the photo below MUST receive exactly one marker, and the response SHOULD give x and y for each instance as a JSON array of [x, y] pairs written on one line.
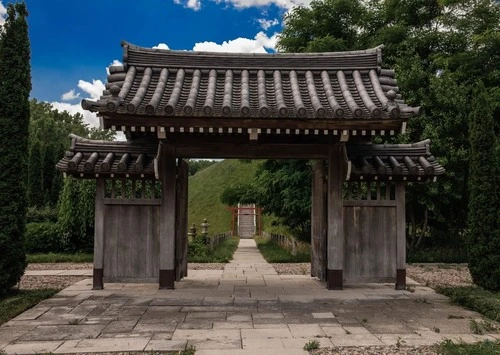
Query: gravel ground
[[59, 266], [57, 282], [427, 274], [434, 275], [377, 350]]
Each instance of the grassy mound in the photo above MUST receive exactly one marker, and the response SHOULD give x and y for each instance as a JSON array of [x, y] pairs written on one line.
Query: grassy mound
[[206, 187]]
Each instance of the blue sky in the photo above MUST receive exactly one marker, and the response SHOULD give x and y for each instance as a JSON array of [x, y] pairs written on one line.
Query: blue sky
[[73, 42]]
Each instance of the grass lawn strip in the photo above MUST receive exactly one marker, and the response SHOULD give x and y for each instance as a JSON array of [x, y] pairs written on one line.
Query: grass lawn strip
[[223, 253], [18, 301], [60, 258], [275, 254]]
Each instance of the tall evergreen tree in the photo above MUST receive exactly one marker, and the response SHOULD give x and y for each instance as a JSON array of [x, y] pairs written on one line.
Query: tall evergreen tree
[[15, 87], [35, 182], [484, 204], [49, 171]]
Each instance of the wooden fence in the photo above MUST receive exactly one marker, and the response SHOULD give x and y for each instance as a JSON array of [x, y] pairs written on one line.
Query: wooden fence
[[215, 240], [288, 243]]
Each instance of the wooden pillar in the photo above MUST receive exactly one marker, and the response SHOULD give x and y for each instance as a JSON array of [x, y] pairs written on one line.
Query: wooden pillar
[[319, 221], [167, 170], [400, 237], [97, 283], [335, 219], [181, 245]]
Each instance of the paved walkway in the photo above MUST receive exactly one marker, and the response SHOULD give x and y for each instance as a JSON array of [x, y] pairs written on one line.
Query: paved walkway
[[245, 309]]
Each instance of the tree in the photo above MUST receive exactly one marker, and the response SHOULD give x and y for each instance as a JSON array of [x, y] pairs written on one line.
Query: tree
[[439, 49], [15, 87], [283, 188], [484, 207], [35, 176]]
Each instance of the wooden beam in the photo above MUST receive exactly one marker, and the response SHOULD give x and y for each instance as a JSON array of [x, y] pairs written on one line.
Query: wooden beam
[[181, 245], [263, 123], [97, 283], [400, 237], [264, 151], [319, 221], [335, 218], [167, 169]]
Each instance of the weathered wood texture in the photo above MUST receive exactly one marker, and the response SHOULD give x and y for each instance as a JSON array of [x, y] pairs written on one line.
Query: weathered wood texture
[[335, 216], [401, 236], [131, 243], [167, 167], [181, 244], [99, 235], [370, 244], [319, 226]]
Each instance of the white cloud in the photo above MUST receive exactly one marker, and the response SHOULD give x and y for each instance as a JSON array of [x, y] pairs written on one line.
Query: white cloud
[[115, 62], [266, 24], [161, 46], [94, 88], [88, 117], [3, 13], [70, 95], [242, 4], [259, 44], [190, 4]]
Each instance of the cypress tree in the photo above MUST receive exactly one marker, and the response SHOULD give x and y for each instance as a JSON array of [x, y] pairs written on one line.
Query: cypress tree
[[35, 182], [484, 204], [15, 86], [49, 170]]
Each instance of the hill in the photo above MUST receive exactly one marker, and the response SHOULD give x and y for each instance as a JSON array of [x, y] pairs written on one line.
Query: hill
[[205, 188]]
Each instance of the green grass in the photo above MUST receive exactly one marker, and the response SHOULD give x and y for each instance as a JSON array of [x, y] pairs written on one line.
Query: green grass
[[486, 347], [16, 302], [274, 254], [222, 253], [206, 187], [475, 298], [60, 258]]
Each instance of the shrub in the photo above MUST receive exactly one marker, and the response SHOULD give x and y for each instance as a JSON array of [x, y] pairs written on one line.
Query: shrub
[[43, 237], [484, 204], [38, 215]]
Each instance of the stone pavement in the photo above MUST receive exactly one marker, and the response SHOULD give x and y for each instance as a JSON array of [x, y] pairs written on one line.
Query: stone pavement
[[245, 309]]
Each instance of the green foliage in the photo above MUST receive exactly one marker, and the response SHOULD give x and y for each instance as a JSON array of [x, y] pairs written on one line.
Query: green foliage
[[486, 347], [76, 214], [483, 238], [198, 165], [439, 54], [275, 254], [15, 86], [60, 258], [35, 177], [43, 214], [475, 298], [15, 302], [199, 252], [437, 254], [311, 345], [234, 194], [283, 188], [206, 188], [43, 238]]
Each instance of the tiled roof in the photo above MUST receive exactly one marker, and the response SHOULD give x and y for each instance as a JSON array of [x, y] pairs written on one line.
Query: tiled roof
[[86, 158], [409, 162], [164, 83]]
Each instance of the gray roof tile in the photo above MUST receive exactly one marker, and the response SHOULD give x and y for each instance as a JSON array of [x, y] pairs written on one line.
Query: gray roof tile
[[342, 85]]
